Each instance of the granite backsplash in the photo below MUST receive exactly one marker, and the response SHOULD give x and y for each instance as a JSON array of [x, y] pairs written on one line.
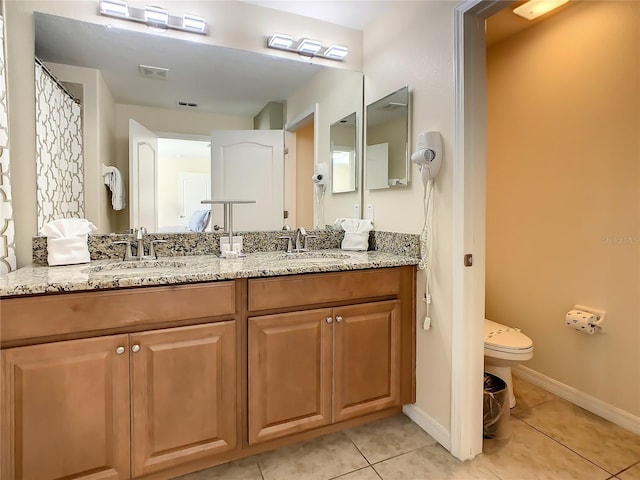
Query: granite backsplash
[[101, 246]]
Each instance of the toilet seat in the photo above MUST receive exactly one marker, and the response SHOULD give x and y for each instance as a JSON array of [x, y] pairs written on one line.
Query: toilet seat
[[502, 339]]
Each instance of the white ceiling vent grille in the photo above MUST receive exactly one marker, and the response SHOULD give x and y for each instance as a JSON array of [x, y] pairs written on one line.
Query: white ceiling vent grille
[[157, 73]]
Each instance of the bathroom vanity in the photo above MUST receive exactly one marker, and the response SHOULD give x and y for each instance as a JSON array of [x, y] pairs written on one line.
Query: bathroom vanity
[[156, 373]]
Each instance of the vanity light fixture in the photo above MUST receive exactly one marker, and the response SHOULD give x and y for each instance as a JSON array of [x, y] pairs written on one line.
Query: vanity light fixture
[[280, 41], [115, 8], [534, 8], [306, 47], [154, 17], [336, 52]]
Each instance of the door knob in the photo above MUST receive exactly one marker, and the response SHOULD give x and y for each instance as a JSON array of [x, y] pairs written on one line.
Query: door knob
[[329, 319], [120, 350], [339, 319], [135, 348]]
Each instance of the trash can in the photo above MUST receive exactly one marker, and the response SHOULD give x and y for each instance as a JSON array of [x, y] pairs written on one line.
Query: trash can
[[495, 424]]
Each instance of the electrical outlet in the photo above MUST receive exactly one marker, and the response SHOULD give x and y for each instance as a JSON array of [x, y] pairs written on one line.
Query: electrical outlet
[[356, 211], [370, 211]]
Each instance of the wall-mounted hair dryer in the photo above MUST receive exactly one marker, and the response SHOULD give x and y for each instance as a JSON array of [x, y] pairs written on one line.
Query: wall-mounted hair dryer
[[428, 154], [320, 174]]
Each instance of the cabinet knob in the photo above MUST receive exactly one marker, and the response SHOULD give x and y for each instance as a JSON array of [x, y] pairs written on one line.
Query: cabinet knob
[[120, 350], [135, 348], [329, 319], [338, 319]]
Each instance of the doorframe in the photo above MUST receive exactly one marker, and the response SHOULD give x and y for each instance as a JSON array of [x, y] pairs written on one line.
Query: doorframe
[[468, 223]]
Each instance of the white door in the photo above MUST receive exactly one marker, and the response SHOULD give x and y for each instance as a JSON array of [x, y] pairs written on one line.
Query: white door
[[192, 189], [143, 176], [249, 165]]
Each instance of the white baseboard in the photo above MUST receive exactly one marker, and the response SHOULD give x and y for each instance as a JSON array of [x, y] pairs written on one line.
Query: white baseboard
[[588, 402], [439, 433]]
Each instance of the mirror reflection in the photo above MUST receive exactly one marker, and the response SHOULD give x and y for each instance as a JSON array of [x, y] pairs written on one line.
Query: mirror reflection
[[344, 154], [387, 134], [182, 90]]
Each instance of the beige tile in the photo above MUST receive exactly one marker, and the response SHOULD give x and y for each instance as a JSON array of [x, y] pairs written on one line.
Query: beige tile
[[367, 473], [604, 443], [388, 438], [319, 459], [531, 455], [244, 469], [431, 463], [528, 396], [632, 473]]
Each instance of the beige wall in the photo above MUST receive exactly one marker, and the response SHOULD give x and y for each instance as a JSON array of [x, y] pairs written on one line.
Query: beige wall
[[413, 45], [159, 120], [304, 171], [563, 201]]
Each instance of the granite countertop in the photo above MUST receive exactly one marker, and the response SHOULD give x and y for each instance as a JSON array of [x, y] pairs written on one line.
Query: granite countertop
[[109, 274]]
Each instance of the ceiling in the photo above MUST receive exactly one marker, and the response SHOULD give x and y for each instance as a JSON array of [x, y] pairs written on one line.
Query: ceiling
[[217, 79], [355, 14]]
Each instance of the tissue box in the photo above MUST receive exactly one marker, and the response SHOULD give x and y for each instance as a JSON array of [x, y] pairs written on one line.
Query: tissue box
[[68, 251]]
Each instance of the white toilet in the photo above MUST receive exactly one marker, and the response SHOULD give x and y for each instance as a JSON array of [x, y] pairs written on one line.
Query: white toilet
[[505, 347]]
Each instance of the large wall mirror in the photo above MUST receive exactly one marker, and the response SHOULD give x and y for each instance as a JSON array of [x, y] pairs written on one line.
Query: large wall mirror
[[344, 154], [387, 137], [186, 90]]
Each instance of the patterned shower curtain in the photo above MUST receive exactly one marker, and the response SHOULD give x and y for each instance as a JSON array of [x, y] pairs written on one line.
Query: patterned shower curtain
[[7, 243], [59, 156]]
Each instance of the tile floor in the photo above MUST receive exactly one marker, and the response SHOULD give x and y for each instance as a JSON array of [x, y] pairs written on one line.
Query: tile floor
[[551, 439]]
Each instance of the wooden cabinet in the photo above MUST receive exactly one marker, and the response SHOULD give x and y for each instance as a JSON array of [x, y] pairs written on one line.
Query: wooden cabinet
[[183, 395], [68, 404], [162, 381], [366, 355], [312, 368], [65, 410], [289, 373]]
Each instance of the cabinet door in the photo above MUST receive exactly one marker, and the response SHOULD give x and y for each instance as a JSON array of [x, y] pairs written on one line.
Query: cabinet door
[[65, 410], [289, 373], [183, 393], [366, 359]]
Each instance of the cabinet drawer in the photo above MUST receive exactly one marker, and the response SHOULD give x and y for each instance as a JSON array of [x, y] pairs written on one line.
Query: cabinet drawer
[[301, 290], [52, 315]]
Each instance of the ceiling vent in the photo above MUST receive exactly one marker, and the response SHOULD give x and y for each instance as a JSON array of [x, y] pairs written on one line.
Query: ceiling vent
[[157, 73]]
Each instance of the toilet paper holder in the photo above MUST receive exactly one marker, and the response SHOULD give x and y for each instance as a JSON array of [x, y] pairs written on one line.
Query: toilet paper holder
[[599, 317]]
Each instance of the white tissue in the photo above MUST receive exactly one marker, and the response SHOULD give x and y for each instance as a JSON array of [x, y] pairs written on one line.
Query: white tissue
[[67, 241]]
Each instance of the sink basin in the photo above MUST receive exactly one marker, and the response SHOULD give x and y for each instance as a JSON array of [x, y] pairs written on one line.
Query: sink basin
[[313, 256], [135, 266]]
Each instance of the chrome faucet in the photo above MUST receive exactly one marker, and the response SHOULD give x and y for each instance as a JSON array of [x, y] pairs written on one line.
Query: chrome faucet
[[139, 233], [301, 239], [140, 240]]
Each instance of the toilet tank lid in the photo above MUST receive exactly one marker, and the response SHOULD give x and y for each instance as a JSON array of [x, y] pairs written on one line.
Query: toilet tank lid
[[499, 335]]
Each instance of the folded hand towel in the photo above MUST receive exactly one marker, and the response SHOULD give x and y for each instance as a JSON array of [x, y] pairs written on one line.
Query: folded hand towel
[[113, 179], [67, 241], [356, 233], [355, 241]]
